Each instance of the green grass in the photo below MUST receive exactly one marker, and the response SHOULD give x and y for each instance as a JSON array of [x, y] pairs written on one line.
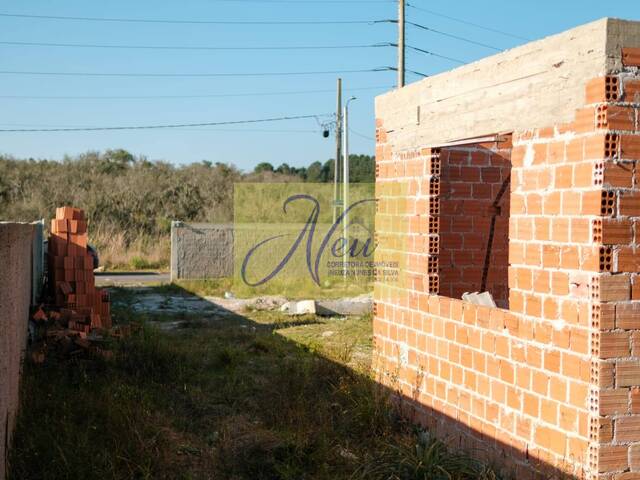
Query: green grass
[[205, 288], [141, 263], [261, 397], [295, 290]]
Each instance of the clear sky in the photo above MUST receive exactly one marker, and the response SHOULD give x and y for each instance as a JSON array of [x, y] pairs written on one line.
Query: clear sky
[[295, 142]]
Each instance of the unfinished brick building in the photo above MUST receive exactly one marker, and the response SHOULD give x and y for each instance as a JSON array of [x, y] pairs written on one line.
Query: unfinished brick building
[[518, 175]]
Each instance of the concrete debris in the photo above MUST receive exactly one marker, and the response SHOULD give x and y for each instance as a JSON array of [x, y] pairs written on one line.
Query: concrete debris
[[477, 298], [147, 300], [303, 307], [267, 303], [328, 308], [345, 306], [349, 455]]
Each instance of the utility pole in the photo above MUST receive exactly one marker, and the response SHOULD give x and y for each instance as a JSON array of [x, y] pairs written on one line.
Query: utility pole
[[336, 163], [345, 179], [401, 47]]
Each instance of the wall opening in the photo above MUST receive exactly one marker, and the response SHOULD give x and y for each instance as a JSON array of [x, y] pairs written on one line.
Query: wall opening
[[474, 220]]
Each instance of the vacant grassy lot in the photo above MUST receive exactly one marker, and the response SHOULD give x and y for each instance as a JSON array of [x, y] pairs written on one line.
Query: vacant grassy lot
[[262, 396]]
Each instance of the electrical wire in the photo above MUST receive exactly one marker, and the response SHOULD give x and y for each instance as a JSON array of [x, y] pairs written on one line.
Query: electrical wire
[[185, 129], [358, 134], [174, 47], [427, 52], [466, 22], [156, 97], [192, 22], [450, 35], [217, 74], [303, 2], [395, 69], [154, 127], [243, 130]]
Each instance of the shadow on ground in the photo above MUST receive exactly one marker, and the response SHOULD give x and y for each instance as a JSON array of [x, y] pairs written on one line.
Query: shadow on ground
[[223, 396]]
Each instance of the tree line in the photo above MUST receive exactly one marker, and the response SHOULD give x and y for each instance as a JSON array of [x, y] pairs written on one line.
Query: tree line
[[127, 193], [361, 170]]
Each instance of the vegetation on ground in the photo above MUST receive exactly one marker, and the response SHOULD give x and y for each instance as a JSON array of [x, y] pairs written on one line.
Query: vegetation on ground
[[130, 201], [292, 290], [259, 396]]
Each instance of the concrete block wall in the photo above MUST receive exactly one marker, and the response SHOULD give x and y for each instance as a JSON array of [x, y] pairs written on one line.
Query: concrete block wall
[[16, 241], [200, 251], [550, 385]]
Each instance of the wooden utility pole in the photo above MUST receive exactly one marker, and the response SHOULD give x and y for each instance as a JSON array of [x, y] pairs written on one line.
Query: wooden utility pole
[[336, 163], [401, 47]]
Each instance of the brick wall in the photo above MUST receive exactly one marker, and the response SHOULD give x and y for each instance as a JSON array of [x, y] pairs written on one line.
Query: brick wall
[[616, 335], [553, 383], [474, 220]]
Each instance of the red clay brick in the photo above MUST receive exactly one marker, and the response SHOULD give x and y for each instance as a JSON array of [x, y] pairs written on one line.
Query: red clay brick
[[630, 147], [616, 117], [628, 259], [631, 90], [617, 231], [627, 373], [602, 89], [630, 56], [618, 174], [612, 458], [627, 429], [614, 401], [614, 344], [630, 204], [614, 288]]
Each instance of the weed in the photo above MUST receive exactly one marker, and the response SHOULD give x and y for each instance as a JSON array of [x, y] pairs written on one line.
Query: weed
[[422, 457], [223, 401]]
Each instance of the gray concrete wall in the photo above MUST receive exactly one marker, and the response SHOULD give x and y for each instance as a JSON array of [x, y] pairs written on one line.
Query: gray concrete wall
[[16, 264], [536, 85], [200, 251]]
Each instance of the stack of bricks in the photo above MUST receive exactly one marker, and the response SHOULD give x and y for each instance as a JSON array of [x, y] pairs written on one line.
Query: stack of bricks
[[551, 386], [71, 276]]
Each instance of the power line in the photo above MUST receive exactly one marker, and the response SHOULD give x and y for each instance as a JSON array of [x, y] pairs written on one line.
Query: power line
[[303, 2], [466, 22], [427, 52], [358, 134], [185, 129], [175, 47], [450, 35], [154, 127], [395, 69], [156, 97], [216, 74], [243, 130], [192, 22]]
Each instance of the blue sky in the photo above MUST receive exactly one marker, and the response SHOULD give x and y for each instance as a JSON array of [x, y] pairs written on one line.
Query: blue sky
[[294, 142]]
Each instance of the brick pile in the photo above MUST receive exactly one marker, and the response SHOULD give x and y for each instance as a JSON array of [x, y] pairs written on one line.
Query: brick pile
[[71, 279]]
